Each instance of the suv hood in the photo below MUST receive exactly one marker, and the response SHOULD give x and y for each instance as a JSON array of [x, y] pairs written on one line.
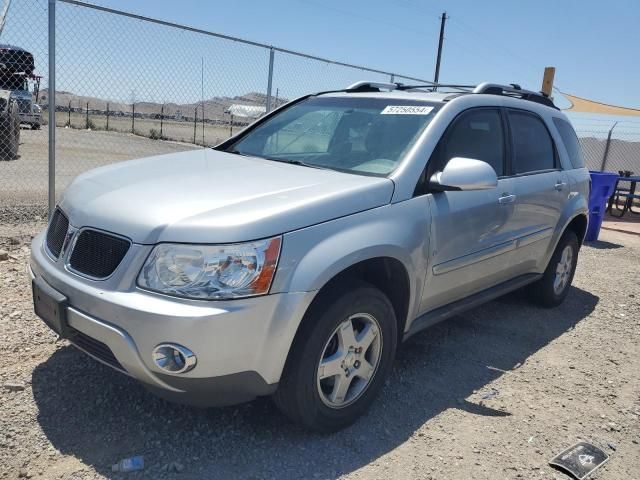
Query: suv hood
[[208, 196]]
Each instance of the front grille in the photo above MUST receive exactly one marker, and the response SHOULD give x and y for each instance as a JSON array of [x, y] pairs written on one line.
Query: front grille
[[57, 232], [24, 106], [94, 347], [97, 254]]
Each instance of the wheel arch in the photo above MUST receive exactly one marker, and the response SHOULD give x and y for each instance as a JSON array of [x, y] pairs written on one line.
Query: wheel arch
[[578, 225], [387, 273]]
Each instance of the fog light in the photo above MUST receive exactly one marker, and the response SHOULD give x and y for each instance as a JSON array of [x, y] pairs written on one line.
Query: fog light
[[173, 358]]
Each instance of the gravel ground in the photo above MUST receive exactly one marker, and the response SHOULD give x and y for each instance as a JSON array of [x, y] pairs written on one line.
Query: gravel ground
[[492, 394]]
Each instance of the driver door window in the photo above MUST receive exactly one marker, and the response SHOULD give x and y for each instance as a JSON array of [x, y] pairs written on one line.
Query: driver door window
[[476, 134]]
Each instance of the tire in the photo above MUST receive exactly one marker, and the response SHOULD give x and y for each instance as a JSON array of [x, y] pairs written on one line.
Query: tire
[[316, 403], [551, 290], [10, 133]]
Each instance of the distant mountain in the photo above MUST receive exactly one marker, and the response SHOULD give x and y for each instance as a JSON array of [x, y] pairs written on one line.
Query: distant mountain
[[213, 107]]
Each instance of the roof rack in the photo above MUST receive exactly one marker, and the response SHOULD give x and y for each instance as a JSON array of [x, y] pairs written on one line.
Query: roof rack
[[513, 90]]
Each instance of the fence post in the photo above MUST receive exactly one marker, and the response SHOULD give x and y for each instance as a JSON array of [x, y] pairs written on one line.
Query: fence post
[[133, 118], [52, 106], [195, 123], [87, 118], [161, 119], [107, 116], [392, 78], [69, 115], [270, 79], [606, 148], [231, 125]]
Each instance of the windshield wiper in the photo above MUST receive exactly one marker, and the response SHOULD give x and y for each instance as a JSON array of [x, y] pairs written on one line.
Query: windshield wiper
[[281, 160], [295, 162], [236, 152]]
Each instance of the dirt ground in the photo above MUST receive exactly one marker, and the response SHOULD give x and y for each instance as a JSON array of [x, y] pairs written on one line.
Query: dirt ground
[[492, 394], [24, 181], [181, 131]]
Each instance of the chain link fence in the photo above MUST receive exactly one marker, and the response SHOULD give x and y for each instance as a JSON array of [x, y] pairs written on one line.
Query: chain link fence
[[130, 87], [608, 144]]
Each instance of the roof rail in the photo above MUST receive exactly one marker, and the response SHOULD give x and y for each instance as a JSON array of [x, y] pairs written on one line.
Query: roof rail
[[512, 90], [374, 86], [369, 86]]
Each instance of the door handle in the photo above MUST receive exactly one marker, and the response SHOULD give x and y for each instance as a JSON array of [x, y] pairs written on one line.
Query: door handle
[[559, 185], [506, 198]]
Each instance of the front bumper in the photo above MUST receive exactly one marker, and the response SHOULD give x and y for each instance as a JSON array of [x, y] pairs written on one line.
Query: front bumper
[[30, 118], [241, 345]]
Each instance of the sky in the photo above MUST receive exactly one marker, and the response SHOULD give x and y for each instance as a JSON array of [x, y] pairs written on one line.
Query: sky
[[594, 45]]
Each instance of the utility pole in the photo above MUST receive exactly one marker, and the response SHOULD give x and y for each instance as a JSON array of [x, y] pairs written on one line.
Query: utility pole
[[443, 20]]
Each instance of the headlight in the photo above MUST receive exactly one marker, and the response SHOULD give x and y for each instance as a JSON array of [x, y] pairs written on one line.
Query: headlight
[[211, 272]]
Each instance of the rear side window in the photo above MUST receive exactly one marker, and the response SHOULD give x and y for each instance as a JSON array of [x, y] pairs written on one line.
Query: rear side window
[[571, 142], [532, 145], [476, 134]]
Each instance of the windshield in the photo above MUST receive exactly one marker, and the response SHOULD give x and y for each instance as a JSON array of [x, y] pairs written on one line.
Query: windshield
[[10, 81], [367, 136]]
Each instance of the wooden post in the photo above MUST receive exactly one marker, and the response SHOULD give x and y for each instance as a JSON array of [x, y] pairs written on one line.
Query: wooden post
[[161, 119], [107, 116], [86, 123], [547, 80], [133, 118], [69, 119]]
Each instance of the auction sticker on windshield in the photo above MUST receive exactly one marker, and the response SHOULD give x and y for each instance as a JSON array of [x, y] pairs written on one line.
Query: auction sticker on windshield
[[406, 110]]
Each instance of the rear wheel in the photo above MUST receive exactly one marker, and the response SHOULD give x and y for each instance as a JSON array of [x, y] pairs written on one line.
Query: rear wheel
[[553, 287], [340, 359]]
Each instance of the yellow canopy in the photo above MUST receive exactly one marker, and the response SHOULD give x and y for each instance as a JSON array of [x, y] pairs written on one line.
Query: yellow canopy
[[589, 106]]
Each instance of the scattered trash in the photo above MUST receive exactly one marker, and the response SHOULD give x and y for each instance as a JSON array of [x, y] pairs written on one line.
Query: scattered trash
[[491, 394], [530, 439], [129, 464], [612, 446], [14, 386], [580, 460], [613, 427]]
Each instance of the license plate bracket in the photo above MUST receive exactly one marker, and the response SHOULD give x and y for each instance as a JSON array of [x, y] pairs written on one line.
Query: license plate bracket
[[50, 305]]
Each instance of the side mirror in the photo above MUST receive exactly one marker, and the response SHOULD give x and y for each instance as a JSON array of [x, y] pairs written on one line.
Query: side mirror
[[464, 174]]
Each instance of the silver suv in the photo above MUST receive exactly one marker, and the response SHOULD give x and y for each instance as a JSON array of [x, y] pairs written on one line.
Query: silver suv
[[293, 259]]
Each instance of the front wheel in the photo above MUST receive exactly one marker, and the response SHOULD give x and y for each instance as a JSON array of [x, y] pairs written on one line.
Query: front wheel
[[340, 359], [553, 287]]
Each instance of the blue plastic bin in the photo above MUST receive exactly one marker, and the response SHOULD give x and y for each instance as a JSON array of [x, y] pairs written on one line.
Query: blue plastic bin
[[602, 186]]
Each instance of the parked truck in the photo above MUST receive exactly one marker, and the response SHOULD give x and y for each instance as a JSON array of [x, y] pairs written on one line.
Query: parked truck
[[17, 103]]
